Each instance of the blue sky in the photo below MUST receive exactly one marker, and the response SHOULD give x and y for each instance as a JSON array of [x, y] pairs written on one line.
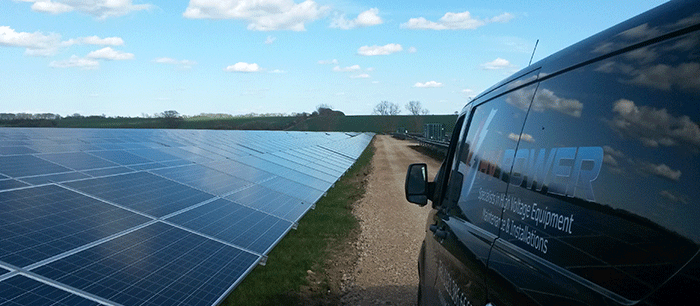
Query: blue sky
[[127, 58]]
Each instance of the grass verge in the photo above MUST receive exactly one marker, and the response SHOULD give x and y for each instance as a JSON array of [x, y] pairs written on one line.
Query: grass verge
[[308, 248]]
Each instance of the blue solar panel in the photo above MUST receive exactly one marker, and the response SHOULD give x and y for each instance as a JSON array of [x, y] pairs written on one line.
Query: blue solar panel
[[15, 150], [78, 160], [41, 222], [6, 184], [271, 202], [148, 166], [241, 170], [143, 192], [152, 217], [121, 157], [54, 178], [20, 290], [204, 178], [155, 265], [292, 188], [27, 165], [153, 154], [108, 171], [237, 224]]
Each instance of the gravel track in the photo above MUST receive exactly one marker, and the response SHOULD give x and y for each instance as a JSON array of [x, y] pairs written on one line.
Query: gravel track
[[392, 230]]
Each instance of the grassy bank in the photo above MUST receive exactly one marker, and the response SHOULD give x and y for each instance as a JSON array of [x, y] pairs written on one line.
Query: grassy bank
[[375, 123], [306, 249]]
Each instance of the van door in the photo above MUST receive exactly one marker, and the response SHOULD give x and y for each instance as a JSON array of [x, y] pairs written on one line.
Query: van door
[[467, 222], [602, 200]]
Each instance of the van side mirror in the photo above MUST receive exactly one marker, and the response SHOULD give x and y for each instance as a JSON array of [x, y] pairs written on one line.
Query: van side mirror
[[417, 187]]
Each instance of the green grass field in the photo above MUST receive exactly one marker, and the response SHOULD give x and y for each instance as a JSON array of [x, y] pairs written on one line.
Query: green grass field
[[376, 124], [370, 123]]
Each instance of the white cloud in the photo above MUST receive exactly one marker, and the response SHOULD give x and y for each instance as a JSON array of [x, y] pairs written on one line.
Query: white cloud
[[664, 77], [346, 69], [361, 76], [365, 19], [674, 198], [611, 155], [328, 62], [277, 71], [39, 44], [261, 15], [171, 61], [270, 39], [412, 50], [524, 136], [662, 170], [35, 43], [429, 84], [544, 100], [498, 63], [110, 54], [100, 9], [243, 67], [50, 7], [75, 61], [654, 127], [379, 50], [467, 91], [454, 21]]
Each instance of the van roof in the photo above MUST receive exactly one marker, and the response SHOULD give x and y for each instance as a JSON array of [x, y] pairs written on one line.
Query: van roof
[[668, 20]]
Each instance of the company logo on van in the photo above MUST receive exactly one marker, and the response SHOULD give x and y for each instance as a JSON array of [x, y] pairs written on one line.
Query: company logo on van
[[567, 171]]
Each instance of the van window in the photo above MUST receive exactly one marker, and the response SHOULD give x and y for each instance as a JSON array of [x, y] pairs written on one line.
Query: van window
[[604, 181], [485, 159]]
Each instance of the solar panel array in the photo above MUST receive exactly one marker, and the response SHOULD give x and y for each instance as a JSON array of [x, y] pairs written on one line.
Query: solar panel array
[[152, 217]]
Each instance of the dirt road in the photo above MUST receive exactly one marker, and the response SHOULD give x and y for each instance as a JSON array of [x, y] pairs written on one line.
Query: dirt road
[[392, 229]]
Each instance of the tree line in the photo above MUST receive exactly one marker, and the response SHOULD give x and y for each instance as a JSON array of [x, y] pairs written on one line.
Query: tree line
[[386, 108]]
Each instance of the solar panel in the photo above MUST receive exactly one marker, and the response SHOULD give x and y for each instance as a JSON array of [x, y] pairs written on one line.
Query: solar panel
[[27, 165], [6, 184], [20, 290], [54, 178], [203, 178], [15, 150], [77, 160], [45, 221], [155, 265], [271, 202], [143, 192], [152, 217], [236, 224]]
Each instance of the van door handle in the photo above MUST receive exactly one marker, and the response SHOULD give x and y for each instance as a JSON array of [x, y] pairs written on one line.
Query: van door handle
[[440, 233]]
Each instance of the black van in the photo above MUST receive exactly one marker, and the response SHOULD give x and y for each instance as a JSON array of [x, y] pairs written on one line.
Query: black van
[[576, 180]]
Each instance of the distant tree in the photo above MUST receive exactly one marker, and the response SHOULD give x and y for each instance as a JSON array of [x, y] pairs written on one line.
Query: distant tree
[[172, 118], [414, 108], [324, 106], [7, 116], [170, 114], [386, 108]]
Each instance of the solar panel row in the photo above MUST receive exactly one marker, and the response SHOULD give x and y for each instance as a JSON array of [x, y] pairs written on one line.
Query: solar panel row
[[152, 217]]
